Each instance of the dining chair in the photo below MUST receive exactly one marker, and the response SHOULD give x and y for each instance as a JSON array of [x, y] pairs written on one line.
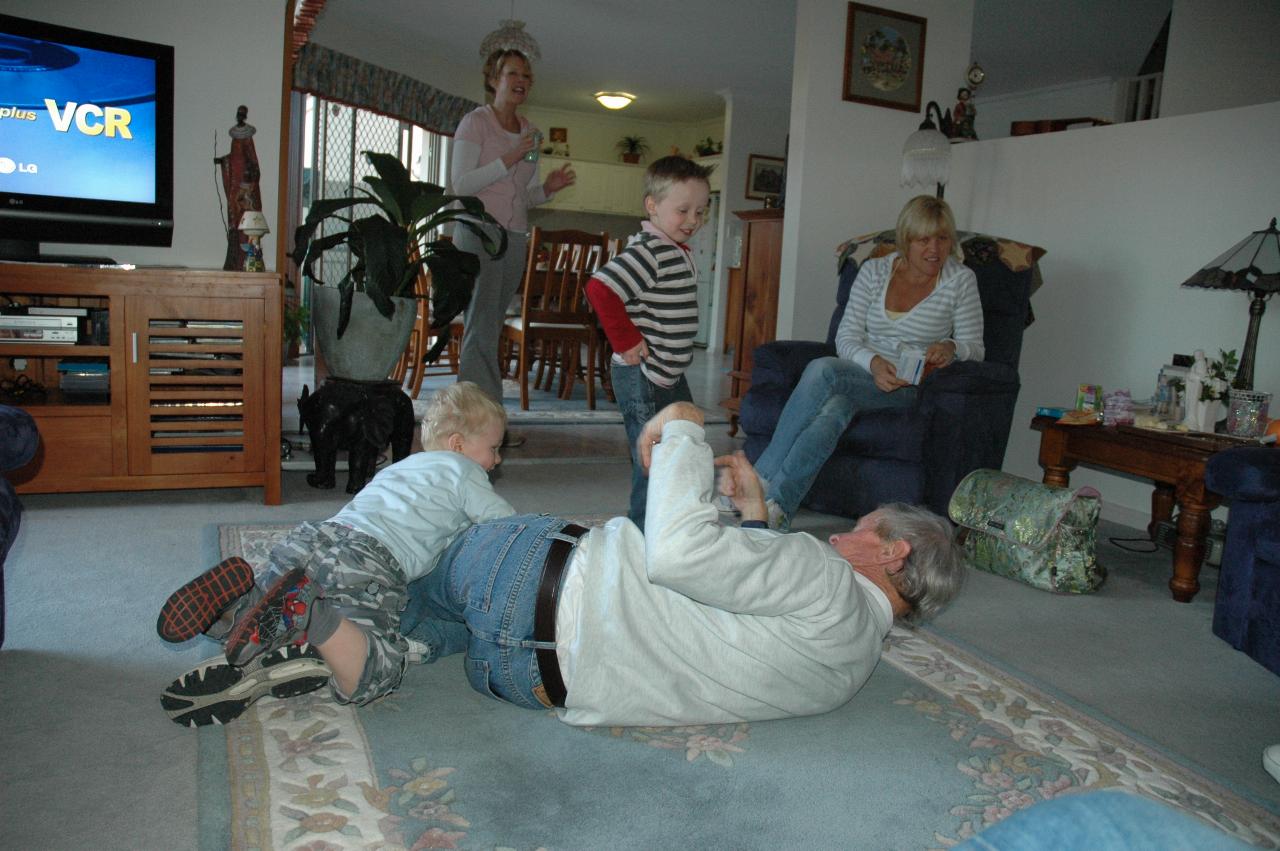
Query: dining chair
[[411, 366], [554, 310]]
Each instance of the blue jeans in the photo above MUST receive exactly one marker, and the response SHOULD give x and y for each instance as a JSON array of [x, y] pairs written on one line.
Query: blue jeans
[[638, 400], [818, 411], [1101, 820], [480, 599]]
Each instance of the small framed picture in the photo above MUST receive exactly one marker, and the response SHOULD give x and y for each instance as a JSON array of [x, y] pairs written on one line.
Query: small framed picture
[[764, 177], [883, 57], [558, 134]]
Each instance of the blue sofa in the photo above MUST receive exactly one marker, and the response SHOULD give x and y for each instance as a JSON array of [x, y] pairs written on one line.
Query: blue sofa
[[1246, 612], [19, 440], [964, 413]]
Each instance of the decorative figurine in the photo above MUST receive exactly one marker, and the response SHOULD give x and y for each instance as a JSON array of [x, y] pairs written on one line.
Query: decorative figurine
[[240, 175], [361, 417], [963, 114]]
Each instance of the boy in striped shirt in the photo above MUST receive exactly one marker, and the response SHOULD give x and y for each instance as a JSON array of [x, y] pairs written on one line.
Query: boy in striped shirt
[[646, 300]]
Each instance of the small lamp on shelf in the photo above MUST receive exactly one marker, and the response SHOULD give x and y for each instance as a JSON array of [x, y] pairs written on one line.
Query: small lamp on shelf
[[926, 155], [253, 224]]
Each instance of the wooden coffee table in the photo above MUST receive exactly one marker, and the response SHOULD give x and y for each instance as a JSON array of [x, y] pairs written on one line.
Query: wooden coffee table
[[1173, 460]]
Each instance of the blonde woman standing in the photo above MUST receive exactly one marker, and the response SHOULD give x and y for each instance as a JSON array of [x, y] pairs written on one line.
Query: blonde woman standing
[[491, 161]]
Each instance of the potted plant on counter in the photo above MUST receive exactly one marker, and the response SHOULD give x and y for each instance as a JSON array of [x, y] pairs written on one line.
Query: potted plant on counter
[[632, 148], [363, 323]]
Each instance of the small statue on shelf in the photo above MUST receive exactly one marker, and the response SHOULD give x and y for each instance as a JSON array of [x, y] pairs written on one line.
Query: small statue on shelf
[[963, 115], [240, 176]]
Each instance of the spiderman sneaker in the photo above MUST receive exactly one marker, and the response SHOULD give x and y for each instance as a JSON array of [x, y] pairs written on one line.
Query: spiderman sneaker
[[279, 618], [215, 692], [194, 607]]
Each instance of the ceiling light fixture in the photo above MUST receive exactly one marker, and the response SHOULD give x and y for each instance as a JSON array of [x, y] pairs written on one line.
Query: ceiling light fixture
[[615, 100], [510, 35]]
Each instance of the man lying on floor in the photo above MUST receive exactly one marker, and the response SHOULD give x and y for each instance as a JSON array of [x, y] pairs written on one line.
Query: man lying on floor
[[686, 622]]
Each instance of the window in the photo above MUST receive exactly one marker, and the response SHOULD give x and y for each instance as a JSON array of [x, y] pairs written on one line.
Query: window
[[335, 137]]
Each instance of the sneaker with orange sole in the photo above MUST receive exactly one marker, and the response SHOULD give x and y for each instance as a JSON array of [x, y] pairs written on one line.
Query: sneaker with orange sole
[[195, 607]]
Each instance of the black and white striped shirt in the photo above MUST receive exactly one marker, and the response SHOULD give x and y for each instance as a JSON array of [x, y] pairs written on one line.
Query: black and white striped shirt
[[657, 282]]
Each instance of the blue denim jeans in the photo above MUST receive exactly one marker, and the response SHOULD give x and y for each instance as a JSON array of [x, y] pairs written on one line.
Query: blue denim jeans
[[480, 599], [818, 411], [638, 400]]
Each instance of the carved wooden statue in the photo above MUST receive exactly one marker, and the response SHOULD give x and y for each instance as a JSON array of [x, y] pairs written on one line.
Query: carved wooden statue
[[361, 417]]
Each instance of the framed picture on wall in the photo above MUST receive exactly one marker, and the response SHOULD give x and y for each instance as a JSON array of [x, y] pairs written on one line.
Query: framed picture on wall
[[764, 177], [883, 57]]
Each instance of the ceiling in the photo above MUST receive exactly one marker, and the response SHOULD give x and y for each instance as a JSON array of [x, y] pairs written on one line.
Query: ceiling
[[676, 56]]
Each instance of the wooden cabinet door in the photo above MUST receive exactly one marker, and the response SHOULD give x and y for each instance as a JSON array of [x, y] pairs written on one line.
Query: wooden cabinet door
[[763, 260], [194, 383]]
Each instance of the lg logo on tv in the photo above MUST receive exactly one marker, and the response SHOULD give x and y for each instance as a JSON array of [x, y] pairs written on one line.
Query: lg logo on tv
[[8, 166]]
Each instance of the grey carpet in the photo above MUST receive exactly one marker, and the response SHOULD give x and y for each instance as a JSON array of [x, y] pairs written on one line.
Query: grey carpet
[[87, 754]]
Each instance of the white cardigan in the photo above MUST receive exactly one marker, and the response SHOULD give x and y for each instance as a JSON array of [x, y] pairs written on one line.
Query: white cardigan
[[953, 311], [693, 622]]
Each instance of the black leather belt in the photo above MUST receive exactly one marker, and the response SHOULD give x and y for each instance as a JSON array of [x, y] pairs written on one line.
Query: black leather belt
[[544, 612]]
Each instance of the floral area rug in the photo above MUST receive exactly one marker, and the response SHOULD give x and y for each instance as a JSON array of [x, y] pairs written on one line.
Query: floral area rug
[[937, 746]]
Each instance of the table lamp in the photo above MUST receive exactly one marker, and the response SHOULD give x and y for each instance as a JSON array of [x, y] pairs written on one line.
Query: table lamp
[[1253, 264], [926, 155], [253, 224]]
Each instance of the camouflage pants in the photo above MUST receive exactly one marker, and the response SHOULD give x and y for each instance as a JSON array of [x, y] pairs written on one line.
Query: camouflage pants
[[362, 582]]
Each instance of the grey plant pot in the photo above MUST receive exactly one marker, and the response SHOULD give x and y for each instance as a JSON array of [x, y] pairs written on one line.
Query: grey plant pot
[[371, 345]]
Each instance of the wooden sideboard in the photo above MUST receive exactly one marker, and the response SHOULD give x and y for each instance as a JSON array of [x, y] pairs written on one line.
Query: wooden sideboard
[[754, 310], [193, 359]]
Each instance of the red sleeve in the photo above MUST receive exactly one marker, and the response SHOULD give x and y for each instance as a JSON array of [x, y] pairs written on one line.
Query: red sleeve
[[612, 313]]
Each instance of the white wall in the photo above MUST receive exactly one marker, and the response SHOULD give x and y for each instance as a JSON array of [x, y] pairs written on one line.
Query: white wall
[[595, 135], [753, 125], [1222, 53], [225, 54], [1126, 213], [1085, 99], [846, 157]]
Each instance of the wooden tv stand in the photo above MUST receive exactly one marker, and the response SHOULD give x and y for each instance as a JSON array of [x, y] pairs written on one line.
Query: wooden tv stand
[[194, 370]]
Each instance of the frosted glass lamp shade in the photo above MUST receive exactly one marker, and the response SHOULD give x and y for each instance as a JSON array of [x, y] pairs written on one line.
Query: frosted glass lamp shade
[[614, 100], [926, 158]]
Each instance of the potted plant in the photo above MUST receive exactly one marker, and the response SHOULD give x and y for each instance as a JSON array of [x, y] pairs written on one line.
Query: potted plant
[[632, 148], [296, 317], [363, 323], [707, 147]]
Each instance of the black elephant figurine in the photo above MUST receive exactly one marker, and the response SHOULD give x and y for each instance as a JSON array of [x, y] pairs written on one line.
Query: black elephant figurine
[[361, 417]]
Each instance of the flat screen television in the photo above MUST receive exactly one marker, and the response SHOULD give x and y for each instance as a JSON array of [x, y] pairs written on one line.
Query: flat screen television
[[86, 139]]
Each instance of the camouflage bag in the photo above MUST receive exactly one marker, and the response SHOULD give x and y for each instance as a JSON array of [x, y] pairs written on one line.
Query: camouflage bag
[[1043, 536]]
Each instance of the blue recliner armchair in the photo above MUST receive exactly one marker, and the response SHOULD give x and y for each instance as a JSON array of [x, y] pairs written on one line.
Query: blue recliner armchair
[[1246, 612], [18, 442], [964, 413]]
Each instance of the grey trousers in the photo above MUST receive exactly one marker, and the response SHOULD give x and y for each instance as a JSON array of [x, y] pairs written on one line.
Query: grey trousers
[[496, 285]]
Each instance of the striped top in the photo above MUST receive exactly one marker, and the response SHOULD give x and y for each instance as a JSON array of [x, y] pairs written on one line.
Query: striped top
[[657, 282], [953, 311]]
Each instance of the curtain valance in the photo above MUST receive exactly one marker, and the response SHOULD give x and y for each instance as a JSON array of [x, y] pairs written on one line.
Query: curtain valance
[[346, 79]]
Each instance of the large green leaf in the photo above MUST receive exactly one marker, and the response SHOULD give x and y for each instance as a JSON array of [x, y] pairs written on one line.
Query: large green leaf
[[382, 244]]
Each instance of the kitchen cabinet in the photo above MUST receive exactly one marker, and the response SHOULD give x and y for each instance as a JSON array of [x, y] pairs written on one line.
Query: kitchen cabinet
[[614, 188]]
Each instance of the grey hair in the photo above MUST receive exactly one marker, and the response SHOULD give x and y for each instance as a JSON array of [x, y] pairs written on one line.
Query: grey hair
[[458, 408], [934, 570]]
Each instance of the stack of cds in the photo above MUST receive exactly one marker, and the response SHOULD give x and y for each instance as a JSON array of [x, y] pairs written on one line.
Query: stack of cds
[[83, 377]]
